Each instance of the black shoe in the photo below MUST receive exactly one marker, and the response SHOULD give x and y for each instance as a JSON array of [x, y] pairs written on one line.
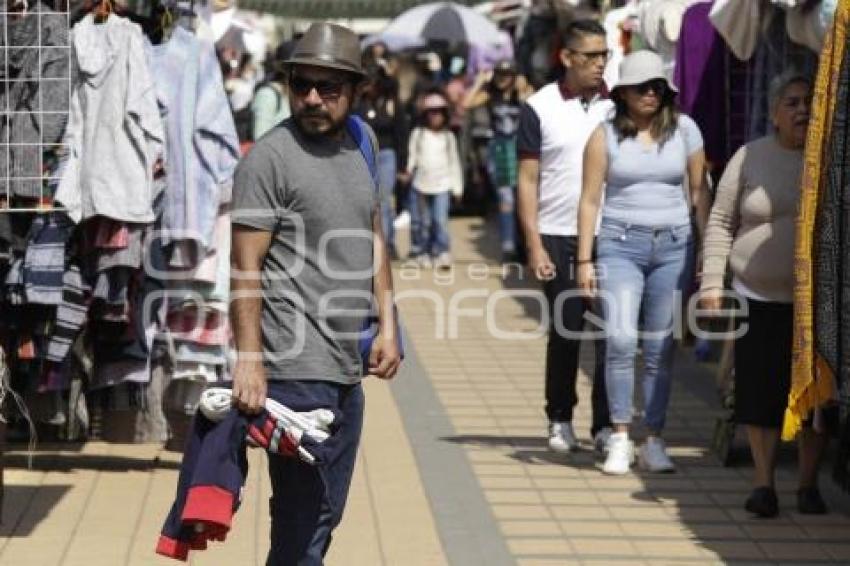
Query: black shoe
[[810, 502], [763, 502]]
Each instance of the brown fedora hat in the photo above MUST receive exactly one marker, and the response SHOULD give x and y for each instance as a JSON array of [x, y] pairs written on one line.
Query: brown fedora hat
[[328, 45]]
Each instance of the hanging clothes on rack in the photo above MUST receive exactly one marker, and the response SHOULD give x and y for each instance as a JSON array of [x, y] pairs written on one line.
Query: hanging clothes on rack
[[34, 102], [126, 290], [44, 259], [660, 24], [114, 134], [817, 373], [739, 23], [193, 242], [774, 54], [701, 65], [203, 148], [619, 25]]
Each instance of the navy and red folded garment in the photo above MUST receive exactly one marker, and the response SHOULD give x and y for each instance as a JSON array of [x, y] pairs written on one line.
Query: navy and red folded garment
[[213, 473]]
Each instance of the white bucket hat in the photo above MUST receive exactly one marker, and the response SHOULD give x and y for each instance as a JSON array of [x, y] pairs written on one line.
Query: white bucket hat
[[640, 67]]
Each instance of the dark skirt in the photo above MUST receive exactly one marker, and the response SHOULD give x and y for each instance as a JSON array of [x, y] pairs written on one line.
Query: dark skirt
[[763, 365]]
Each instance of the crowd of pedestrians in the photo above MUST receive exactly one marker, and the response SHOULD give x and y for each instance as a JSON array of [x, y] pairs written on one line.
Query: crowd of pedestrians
[[604, 193]]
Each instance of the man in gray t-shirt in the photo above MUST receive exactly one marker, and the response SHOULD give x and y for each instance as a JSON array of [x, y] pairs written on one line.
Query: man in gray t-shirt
[[308, 253]]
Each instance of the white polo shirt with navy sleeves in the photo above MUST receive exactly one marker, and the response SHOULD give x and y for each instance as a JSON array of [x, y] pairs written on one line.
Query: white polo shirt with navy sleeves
[[554, 127]]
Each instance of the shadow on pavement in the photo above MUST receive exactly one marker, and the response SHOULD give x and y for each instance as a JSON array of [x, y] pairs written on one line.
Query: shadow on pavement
[[72, 462], [528, 449], [492, 440], [32, 505]]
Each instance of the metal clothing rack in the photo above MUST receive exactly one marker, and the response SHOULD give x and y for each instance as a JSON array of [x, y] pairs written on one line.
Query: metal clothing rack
[[15, 12]]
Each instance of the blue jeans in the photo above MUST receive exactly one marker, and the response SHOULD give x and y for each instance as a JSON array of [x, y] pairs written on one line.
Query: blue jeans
[[642, 270], [387, 170], [429, 223], [307, 501], [503, 174], [507, 219]]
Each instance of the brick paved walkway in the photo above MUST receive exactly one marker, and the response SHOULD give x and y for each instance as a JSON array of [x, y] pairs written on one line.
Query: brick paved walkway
[[453, 468]]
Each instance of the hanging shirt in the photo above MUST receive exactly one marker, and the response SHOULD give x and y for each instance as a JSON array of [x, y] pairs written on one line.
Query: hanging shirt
[[617, 38], [203, 148], [114, 132]]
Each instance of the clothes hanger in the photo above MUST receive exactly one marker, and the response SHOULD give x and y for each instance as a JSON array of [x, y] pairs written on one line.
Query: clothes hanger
[[166, 22], [19, 7]]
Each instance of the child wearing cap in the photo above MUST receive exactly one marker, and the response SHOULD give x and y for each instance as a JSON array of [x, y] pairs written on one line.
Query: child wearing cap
[[434, 166]]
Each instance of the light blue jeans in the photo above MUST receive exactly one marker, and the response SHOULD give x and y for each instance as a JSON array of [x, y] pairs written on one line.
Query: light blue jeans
[[429, 223], [387, 171], [643, 270]]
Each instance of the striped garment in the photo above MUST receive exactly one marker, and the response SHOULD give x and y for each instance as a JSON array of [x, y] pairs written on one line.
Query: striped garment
[[44, 259], [71, 314]]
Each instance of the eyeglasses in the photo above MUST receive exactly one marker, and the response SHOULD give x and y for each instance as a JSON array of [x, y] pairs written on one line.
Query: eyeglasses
[[657, 86], [327, 90], [601, 56]]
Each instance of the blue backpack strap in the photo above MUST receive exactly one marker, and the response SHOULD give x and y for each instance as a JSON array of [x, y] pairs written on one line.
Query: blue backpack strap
[[358, 131]]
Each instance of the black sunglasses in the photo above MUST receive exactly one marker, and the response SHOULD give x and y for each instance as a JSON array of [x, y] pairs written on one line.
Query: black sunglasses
[[658, 86], [327, 90]]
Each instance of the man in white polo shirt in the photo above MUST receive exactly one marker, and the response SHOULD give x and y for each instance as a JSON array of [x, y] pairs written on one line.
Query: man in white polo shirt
[[555, 125]]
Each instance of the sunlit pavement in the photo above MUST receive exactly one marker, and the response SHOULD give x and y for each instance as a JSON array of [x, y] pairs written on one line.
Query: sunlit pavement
[[453, 468]]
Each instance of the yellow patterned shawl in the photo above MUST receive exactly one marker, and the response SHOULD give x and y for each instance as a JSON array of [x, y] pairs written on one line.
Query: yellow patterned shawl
[[812, 382]]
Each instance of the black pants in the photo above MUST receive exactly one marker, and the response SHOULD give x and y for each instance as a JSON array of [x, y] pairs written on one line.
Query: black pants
[[562, 352]]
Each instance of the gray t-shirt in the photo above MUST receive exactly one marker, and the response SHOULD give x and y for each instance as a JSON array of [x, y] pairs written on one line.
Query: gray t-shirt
[[645, 184], [317, 197]]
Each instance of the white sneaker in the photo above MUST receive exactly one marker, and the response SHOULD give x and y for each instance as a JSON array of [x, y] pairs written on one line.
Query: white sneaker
[[562, 438], [653, 456], [402, 220], [424, 260], [600, 439], [443, 261], [621, 454]]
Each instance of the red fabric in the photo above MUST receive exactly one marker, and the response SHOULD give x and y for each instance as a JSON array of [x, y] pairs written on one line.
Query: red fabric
[[208, 327], [209, 504], [26, 348], [287, 446], [111, 234], [257, 436], [268, 428], [172, 548], [569, 94]]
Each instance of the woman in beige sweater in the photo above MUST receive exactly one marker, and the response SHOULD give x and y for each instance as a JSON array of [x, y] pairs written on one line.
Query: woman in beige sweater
[[751, 228]]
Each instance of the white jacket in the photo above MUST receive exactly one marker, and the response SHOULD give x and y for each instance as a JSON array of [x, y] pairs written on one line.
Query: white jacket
[[115, 132], [434, 161]]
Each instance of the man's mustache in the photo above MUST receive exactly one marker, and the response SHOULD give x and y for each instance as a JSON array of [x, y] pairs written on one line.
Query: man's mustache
[[314, 113]]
